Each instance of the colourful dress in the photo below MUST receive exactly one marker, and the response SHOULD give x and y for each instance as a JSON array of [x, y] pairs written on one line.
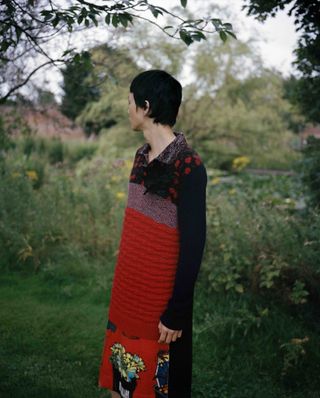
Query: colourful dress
[[160, 253]]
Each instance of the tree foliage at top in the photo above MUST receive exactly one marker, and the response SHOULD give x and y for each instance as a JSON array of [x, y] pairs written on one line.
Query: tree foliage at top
[[27, 26], [78, 90], [111, 75], [304, 91]]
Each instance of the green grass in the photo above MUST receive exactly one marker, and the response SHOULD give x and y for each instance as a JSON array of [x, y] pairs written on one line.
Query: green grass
[[52, 331], [51, 336], [53, 322], [237, 351]]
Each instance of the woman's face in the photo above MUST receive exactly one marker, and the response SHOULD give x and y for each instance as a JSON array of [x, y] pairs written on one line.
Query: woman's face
[[136, 116]]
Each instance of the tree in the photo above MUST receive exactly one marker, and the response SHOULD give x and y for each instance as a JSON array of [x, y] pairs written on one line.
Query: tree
[[116, 69], [234, 106], [26, 28], [304, 91], [78, 90]]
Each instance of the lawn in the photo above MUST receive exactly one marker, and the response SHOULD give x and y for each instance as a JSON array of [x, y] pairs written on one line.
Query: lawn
[[52, 331]]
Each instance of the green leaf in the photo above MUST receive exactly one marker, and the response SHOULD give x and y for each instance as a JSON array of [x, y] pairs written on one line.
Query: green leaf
[[239, 288], [185, 36], [123, 20], [74, 8], [18, 32], [5, 45], [115, 20], [231, 34], [80, 19], [66, 52], [198, 36], [77, 58], [227, 26], [223, 35], [84, 12], [107, 19], [155, 11], [55, 21], [183, 3], [47, 15], [45, 12], [93, 18], [87, 22], [216, 22]]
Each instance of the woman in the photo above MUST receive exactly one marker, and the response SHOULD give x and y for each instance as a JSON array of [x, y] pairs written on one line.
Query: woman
[[148, 343]]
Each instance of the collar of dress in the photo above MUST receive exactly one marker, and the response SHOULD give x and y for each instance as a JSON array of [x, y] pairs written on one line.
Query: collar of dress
[[170, 152]]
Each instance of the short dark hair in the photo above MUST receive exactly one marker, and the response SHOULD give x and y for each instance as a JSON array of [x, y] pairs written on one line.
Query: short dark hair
[[163, 92]]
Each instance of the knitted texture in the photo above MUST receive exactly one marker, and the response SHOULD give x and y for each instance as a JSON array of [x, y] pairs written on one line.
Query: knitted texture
[[149, 262]]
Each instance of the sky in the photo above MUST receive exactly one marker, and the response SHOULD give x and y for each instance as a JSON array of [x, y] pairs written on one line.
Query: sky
[[276, 38]]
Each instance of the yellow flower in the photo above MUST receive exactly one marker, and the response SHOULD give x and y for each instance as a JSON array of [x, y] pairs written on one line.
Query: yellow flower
[[15, 174], [128, 164], [120, 195], [232, 191], [215, 180], [32, 174], [240, 162], [115, 178]]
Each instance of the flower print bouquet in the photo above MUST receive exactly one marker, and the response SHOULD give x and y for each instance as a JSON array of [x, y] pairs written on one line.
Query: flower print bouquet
[[129, 365]]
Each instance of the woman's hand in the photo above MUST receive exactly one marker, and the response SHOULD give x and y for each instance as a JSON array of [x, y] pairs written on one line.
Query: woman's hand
[[168, 335]]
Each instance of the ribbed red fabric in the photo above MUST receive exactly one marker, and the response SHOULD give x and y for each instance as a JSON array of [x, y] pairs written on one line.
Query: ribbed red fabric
[[144, 274]]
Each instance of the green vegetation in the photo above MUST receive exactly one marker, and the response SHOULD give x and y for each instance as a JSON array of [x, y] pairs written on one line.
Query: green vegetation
[[256, 310], [305, 90], [77, 90], [256, 297]]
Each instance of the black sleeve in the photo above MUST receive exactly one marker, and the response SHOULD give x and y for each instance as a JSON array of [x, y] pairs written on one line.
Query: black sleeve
[[192, 230]]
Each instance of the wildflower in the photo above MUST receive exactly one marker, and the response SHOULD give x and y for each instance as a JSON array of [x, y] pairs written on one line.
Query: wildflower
[[115, 178], [240, 162], [32, 174], [215, 180], [128, 164], [120, 195]]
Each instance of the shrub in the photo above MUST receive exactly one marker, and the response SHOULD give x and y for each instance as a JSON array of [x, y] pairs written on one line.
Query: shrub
[[56, 151], [256, 240], [309, 168]]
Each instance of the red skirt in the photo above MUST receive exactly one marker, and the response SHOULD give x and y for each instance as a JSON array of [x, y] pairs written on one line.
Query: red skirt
[[132, 366]]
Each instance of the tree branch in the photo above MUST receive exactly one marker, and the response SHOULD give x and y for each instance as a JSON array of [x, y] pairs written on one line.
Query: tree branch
[[13, 89]]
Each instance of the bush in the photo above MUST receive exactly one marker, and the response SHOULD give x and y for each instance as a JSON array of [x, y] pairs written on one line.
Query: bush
[[56, 151], [6, 142], [64, 215], [309, 168], [76, 152], [256, 240], [29, 145]]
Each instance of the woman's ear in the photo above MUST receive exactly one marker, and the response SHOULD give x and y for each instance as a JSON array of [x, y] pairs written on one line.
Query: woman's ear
[[147, 107]]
